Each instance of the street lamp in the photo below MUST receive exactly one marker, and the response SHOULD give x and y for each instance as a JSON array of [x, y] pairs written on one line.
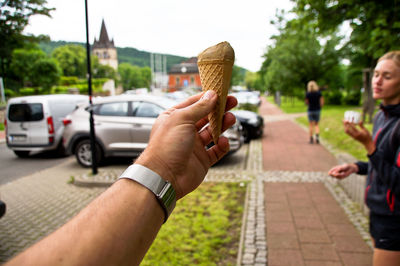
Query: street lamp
[[89, 77]]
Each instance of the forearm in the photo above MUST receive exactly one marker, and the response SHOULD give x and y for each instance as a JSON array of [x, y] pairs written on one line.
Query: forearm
[[115, 229]]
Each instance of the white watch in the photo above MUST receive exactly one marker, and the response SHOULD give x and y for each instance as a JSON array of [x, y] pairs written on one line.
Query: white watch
[[162, 189]]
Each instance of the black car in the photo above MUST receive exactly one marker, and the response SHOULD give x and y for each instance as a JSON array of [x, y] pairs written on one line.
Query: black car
[[252, 123], [2, 208]]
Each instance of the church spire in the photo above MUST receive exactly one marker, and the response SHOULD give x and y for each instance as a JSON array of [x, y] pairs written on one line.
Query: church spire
[[104, 41]]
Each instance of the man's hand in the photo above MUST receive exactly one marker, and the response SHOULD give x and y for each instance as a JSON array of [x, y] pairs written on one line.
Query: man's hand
[[177, 147]]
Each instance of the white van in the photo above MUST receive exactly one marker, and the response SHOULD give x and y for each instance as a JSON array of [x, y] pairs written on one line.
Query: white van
[[35, 123]]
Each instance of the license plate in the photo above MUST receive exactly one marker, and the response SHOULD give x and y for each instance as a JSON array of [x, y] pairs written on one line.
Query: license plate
[[18, 138]]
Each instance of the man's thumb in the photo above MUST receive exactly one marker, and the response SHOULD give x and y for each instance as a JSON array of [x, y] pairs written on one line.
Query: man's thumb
[[203, 106]]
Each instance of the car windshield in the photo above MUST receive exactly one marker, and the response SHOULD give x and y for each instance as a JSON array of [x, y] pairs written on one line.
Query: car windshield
[[25, 112]]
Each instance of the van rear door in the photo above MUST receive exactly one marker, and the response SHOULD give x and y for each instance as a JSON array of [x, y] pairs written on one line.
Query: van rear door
[[27, 125]]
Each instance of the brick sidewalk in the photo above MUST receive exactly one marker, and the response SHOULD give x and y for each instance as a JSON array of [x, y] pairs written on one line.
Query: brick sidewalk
[[305, 225]]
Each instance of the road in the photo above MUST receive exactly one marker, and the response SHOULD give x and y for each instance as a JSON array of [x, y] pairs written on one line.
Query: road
[[13, 167]]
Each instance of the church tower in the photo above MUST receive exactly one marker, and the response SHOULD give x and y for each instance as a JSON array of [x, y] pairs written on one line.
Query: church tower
[[104, 49]]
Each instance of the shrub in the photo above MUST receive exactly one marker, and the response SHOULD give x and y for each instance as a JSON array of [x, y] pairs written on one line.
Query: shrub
[[9, 93], [334, 97], [352, 98], [68, 80]]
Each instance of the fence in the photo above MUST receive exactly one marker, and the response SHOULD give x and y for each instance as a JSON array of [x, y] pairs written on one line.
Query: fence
[[354, 185]]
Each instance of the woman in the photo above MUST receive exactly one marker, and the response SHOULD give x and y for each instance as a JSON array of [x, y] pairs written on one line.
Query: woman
[[383, 168], [315, 101]]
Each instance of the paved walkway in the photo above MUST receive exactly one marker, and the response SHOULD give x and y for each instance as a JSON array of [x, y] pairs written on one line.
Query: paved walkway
[[305, 225]]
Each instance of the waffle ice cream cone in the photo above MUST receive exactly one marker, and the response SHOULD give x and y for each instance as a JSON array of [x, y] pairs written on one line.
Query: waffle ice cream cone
[[215, 68]]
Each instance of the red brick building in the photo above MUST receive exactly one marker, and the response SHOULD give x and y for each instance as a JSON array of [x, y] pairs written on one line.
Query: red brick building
[[184, 75]]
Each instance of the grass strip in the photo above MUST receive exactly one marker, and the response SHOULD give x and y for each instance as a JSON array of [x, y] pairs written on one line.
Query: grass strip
[[204, 228]]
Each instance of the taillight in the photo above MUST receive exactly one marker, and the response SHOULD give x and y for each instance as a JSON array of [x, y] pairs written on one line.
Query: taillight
[[50, 125], [5, 125], [67, 121], [50, 128]]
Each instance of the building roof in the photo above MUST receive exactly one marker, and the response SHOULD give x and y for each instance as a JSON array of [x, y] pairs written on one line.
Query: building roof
[[186, 67], [104, 41]]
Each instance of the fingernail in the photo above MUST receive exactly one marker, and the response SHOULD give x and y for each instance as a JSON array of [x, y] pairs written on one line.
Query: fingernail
[[208, 95]]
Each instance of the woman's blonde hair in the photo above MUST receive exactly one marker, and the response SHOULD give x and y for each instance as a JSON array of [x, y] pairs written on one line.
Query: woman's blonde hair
[[393, 55], [312, 86]]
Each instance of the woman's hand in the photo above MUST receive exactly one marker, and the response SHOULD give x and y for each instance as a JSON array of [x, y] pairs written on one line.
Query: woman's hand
[[361, 134], [343, 171]]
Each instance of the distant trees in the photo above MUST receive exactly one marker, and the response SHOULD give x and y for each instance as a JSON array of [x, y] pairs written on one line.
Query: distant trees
[[14, 16], [313, 45], [72, 60], [297, 56], [134, 76], [32, 67]]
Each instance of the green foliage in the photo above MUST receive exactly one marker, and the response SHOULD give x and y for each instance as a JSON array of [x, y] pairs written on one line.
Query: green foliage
[[298, 57], [68, 80], [9, 93], [1, 126], [375, 24], [72, 60], [23, 63], [29, 91], [352, 98], [237, 75], [125, 55], [134, 76], [204, 229], [45, 73], [291, 105], [333, 97], [13, 19]]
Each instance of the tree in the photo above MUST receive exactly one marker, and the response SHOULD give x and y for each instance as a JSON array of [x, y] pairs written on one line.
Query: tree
[[375, 24], [14, 17], [72, 60], [45, 73], [237, 76], [32, 67], [134, 76], [23, 62], [298, 57]]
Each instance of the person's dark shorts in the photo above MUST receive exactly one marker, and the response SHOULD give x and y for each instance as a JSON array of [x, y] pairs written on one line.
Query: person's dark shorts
[[385, 230], [314, 115]]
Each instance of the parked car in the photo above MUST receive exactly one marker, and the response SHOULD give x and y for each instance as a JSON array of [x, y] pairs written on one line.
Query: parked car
[[122, 127], [34, 123], [248, 97], [2, 208], [252, 123]]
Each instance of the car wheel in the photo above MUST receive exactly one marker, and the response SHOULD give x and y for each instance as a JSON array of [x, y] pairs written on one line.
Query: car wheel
[[22, 154], [83, 153]]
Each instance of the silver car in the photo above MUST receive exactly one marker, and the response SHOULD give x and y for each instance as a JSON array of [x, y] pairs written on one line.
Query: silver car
[[122, 127]]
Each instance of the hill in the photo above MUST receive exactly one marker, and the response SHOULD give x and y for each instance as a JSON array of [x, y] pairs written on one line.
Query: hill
[[125, 55]]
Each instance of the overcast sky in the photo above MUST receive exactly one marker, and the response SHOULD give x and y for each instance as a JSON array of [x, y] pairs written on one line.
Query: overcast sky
[[177, 27]]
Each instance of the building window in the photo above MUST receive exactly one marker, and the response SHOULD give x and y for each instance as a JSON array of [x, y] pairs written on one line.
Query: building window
[[192, 80], [178, 80], [105, 54]]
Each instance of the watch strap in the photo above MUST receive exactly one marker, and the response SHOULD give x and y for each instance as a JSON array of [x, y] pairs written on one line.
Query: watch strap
[[162, 189]]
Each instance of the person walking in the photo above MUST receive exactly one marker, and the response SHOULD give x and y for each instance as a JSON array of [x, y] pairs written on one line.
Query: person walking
[[382, 193], [315, 101]]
